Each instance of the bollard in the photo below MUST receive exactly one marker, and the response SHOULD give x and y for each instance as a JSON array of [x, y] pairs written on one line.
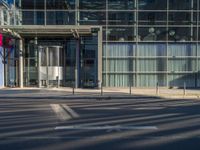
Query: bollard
[[130, 89], [57, 78], [101, 89], [73, 89], [157, 88], [184, 90]]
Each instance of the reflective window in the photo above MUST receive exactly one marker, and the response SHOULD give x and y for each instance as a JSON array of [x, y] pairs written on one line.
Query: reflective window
[[181, 18], [180, 4], [179, 34], [92, 4], [32, 4], [33, 17], [18, 3], [152, 18], [120, 18], [60, 18], [152, 4], [60, 4], [120, 34], [152, 34], [92, 18], [121, 4]]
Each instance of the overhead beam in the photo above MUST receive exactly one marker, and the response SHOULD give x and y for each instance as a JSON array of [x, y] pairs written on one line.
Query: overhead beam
[[53, 30]]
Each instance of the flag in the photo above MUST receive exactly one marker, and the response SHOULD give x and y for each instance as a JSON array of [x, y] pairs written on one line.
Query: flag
[[1, 40]]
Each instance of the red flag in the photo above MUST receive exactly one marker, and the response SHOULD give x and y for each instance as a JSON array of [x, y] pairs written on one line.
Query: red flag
[[1, 39]]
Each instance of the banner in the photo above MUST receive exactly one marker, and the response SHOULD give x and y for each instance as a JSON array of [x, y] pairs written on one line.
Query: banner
[[1, 40], [1, 69]]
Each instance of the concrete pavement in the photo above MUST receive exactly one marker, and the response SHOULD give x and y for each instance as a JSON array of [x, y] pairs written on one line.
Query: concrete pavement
[[119, 92], [28, 122]]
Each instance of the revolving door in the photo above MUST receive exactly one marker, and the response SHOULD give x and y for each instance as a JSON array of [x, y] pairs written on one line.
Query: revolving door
[[50, 70]]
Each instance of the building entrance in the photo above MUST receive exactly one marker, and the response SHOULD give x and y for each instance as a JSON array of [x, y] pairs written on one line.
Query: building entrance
[[62, 62], [55, 56], [50, 66]]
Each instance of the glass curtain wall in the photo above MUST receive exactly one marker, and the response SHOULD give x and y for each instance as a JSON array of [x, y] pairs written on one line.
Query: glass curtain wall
[[162, 37], [145, 41]]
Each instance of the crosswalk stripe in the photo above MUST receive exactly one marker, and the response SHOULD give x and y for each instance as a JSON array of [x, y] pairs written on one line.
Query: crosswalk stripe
[[60, 112], [79, 127], [70, 111]]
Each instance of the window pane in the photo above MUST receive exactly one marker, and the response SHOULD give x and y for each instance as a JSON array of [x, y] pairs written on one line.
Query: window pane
[[152, 4], [120, 33], [180, 4], [179, 34], [152, 18], [121, 4], [60, 18], [181, 18], [121, 18], [32, 4], [92, 18], [33, 18], [93, 4], [60, 4], [152, 34]]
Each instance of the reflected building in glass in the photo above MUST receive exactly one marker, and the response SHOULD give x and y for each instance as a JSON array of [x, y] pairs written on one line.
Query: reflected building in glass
[[120, 43]]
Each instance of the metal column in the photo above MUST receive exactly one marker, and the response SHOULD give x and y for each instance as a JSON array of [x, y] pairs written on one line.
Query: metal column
[[100, 59], [47, 67], [21, 85], [39, 64], [77, 67]]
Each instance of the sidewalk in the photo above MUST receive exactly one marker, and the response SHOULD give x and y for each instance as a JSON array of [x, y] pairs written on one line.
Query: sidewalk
[[121, 92]]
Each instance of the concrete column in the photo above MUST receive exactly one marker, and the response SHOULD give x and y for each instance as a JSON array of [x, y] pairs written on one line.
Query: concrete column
[[21, 68]]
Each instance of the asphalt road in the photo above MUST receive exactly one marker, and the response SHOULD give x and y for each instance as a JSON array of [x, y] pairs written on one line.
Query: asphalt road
[[53, 122]]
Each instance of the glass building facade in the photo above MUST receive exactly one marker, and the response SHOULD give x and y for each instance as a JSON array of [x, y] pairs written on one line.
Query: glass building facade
[[144, 42]]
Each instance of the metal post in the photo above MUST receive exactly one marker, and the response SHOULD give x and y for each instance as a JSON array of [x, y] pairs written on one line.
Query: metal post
[[77, 64], [39, 67], [73, 88], [130, 89], [101, 89], [57, 78], [21, 63], [157, 88], [184, 90], [47, 67]]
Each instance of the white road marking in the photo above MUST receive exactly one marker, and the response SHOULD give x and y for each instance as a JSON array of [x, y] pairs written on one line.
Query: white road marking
[[117, 108], [148, 108], [60, 112], [102, 108], [70, 111], [79, 127]]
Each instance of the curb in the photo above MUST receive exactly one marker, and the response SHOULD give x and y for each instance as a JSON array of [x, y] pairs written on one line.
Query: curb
[[81, 97]]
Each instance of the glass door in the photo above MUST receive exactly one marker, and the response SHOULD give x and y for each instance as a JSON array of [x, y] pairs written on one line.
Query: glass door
[[50, 66], [89, 62], [11, 67]]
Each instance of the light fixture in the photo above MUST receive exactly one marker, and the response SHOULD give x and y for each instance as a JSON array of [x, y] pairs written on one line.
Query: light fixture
[[172, 32], [151, 30]]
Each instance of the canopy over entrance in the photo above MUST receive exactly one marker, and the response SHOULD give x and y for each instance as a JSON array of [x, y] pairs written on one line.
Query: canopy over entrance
[[27, 30]]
